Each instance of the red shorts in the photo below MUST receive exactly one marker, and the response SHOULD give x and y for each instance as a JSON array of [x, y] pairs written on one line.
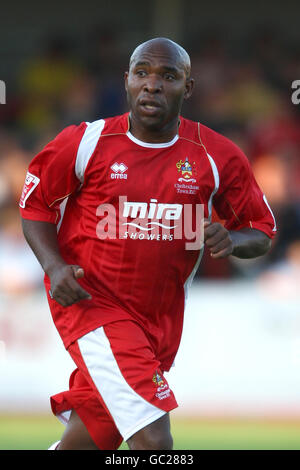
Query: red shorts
[[118, 387]]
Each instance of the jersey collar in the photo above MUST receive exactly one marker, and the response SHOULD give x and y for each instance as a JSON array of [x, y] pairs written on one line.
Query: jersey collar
[[149, 144]]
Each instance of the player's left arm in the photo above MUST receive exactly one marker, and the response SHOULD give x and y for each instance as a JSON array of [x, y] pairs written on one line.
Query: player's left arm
[[243, 243], [249, 224]]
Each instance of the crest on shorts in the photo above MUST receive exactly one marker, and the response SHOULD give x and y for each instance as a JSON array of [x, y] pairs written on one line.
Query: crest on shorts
[[162, 390], [187, 171], [157, 379]]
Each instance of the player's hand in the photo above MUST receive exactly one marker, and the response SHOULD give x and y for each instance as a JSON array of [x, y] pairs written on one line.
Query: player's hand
[[217, 239], [64, 287]]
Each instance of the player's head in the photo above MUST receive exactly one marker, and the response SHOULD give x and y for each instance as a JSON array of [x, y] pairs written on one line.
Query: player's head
[[157, 82]]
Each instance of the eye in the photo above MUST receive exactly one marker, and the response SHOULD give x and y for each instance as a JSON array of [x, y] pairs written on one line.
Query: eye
[[169, 76], [141, 73]]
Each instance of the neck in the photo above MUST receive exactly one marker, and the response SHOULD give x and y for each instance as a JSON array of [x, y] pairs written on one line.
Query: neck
[[153, 133]]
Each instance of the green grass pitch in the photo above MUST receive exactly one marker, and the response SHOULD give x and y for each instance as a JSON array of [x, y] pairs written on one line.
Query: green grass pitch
[[39, 432]]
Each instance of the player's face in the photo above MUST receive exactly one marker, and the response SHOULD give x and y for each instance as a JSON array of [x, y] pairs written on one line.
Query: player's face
[[156, 86]]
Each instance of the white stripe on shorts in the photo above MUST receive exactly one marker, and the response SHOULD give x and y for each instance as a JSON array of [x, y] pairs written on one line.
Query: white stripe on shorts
[[130, 411]]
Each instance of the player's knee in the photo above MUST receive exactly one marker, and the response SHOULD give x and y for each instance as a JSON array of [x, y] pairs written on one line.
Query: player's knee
[[151, 441], [163, 442]]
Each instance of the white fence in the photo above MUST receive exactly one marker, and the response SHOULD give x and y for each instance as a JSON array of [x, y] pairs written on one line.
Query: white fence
[[239, 355]]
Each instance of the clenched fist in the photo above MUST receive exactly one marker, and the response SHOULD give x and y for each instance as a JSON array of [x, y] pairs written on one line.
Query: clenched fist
[[64, 287], [217, 238]]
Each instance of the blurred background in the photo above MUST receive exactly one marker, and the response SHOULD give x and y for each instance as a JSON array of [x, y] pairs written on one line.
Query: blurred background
[[237, 376]]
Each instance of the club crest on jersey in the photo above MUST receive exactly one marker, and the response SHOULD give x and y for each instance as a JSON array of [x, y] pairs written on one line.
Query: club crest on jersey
[[119, 171], [186, 170]]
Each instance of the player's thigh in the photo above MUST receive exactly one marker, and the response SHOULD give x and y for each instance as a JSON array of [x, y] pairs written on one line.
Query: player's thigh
[[76, 435], [89, 409]]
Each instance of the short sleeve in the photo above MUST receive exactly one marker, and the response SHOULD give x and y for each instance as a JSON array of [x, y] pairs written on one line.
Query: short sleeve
[[239, 200], [51, 177]]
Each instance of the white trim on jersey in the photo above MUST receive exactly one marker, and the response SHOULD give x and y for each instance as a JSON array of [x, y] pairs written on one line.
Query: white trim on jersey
[[189, 280], [85, 150], [130, 411], [87, 146], [274, 229], [217, 183], [62, 208], [151, 145]]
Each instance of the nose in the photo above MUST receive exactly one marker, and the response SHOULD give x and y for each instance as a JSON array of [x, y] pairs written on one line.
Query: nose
[[153, 84]]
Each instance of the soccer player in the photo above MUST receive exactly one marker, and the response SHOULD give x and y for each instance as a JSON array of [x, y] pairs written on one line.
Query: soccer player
[[101, 209]]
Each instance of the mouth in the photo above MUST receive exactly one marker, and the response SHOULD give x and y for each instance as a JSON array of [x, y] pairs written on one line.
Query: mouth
[[149, 107]]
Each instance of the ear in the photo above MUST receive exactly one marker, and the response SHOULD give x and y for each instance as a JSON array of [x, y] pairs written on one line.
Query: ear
[[189, 86], [126, 80]]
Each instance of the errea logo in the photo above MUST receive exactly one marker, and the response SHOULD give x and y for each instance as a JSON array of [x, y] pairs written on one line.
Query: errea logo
[[119, 171]]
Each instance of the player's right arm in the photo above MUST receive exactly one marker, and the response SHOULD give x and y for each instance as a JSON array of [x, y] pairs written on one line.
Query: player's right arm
[[51, 177], [42, 238]]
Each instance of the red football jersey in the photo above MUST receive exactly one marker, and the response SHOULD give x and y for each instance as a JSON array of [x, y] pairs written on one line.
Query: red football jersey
[[125, 210]]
